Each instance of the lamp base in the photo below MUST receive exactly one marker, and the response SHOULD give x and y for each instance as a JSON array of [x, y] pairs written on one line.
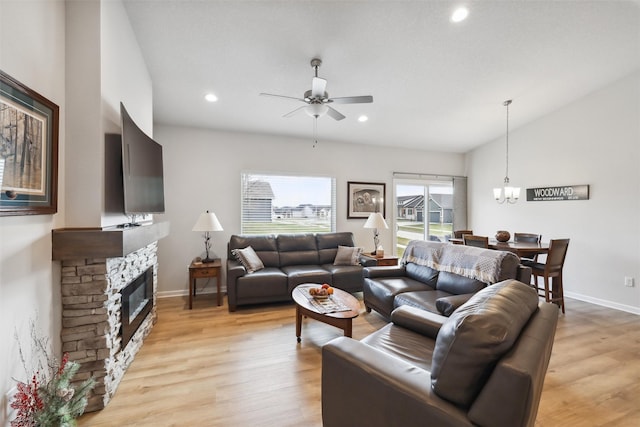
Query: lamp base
[[207, 260]]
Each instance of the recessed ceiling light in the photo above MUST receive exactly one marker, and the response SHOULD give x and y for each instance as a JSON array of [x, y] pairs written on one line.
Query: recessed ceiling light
[[211, 97], [460, 14], [363, 119]]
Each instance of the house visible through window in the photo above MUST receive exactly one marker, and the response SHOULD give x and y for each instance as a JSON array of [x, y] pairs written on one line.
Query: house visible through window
[[276, 204], [425, 208]]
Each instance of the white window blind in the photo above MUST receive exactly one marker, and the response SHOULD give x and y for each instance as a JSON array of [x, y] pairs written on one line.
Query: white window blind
[[276, 204]]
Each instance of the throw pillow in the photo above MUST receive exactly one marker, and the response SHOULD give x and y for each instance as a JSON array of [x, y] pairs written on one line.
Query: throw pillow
[[476, 335], [249, 259], [347, 255]]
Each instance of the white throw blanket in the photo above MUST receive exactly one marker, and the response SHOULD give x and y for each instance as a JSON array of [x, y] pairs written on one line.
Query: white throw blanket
[[468, 261]]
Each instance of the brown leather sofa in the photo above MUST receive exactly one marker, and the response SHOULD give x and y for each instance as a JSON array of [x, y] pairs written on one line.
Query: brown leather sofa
[[482, 366], [438, 277], [289, 260]]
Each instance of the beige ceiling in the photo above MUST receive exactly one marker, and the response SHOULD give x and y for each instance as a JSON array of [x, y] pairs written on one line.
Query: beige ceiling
[[436, 85]]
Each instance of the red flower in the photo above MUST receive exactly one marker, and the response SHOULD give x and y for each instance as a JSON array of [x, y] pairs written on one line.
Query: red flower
[[27, 402]]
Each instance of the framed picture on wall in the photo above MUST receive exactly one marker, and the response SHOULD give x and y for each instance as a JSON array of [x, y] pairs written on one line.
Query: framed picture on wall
[[365, 198], [28, 150]]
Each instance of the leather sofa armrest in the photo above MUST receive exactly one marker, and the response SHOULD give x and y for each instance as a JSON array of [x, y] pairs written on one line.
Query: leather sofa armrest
[[375, 272], [523, 274], [420, 321], [397, 393], [366, 261], [447, 305], [234, 271]]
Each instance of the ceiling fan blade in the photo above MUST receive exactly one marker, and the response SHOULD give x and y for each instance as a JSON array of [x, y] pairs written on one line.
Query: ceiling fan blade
[[352, 100], [282, 96], [294, 112], [318, 86], [334, 114]]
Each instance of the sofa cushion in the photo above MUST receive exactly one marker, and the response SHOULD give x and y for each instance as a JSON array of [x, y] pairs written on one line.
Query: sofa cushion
[[328, 243], [298, 274], [347, 255], [456, 284], [249, 259], [297, 249], [422, 273], [486, 327], [264, 245], [425, 300]]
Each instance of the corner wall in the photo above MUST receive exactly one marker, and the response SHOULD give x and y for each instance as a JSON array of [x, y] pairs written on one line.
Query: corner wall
[[29, 283], [595, 141]]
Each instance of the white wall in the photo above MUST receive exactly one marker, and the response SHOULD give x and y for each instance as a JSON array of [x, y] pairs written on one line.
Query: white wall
[[594, 141], [202, 171], [29, 286], [105, 67]]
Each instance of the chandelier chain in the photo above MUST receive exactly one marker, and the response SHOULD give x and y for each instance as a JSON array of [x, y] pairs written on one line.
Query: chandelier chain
[[506, 177]]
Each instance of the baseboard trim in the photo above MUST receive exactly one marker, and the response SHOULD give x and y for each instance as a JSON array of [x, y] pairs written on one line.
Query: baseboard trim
[[604, 303], [185, 293]]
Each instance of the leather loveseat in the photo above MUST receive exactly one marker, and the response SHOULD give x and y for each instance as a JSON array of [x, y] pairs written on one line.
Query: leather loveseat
[[482, 366], [289, 260], [438, 277]]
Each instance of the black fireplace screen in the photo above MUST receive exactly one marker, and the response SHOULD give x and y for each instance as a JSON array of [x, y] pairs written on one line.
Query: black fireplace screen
[[137, 301]]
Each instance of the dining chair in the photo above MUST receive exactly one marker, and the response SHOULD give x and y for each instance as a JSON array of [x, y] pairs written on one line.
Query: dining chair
[[552, 269], [530, 238], [459, 233], [477, 241]]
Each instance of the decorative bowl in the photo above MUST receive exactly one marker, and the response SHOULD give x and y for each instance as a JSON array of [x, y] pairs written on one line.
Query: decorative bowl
[[503, 236]]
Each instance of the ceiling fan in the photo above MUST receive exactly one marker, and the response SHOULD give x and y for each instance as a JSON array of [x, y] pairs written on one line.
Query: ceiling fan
[[317, 99]]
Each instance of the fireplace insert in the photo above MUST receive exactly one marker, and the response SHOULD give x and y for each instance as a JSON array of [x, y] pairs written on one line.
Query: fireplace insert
[[137, 302]]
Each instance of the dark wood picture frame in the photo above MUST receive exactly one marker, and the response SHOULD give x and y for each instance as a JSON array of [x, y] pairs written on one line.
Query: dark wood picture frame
[[364, 198], [29, 125]]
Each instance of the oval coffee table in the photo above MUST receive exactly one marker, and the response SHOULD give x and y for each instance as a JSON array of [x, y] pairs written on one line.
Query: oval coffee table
[[339, 319]]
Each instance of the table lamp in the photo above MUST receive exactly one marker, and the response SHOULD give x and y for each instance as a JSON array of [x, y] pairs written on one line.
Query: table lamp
[[375, 221], [207, 222]]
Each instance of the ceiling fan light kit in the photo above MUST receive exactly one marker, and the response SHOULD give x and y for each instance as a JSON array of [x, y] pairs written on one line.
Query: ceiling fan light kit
[[317, 98]]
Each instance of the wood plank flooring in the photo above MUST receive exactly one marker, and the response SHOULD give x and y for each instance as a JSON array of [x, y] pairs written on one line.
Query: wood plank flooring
[[209, 367]]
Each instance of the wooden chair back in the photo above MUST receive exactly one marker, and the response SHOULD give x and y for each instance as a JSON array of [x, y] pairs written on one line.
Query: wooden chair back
[[556, 256], [527, 237], [477, 241], [459, 233]]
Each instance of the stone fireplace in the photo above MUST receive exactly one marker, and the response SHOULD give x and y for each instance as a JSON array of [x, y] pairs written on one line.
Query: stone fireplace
[[95, 289]]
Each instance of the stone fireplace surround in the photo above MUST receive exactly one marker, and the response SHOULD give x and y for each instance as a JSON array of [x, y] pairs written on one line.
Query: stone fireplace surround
[[96, 265]]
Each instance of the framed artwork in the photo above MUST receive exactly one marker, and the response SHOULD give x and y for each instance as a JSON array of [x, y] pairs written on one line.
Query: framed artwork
[[365, 198], [28, 150]]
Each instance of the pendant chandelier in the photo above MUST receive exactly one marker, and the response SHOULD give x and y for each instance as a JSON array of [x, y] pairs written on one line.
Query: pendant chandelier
[[507, 193]]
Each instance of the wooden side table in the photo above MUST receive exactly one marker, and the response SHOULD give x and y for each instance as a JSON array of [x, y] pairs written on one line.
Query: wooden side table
[[382, 262], [200, 271]]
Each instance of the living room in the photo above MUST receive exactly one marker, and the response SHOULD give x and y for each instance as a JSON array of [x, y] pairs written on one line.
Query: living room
[[74, 56]]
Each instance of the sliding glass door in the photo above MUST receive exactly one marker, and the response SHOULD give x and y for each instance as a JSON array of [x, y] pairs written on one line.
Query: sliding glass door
[[424, 211]]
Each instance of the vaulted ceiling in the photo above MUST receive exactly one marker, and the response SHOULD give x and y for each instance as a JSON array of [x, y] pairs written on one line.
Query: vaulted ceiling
[[437, 85]]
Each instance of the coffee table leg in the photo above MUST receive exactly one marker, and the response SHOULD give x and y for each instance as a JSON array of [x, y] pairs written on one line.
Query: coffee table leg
[[348, 328], [298, 322]]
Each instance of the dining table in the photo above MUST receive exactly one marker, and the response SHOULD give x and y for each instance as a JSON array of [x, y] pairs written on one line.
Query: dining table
[[522, 249]]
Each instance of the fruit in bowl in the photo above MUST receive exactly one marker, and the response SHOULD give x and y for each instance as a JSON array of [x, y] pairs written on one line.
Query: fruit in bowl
[[321, 292]]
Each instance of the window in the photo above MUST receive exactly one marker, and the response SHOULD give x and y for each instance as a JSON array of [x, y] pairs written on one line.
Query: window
[[275, 204]]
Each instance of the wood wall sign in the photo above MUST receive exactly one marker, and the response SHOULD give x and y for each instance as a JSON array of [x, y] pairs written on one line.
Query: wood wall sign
[[567, 192]]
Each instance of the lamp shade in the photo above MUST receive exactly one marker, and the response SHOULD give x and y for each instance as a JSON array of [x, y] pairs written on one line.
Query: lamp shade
[[376, 220], [207, 221], [316, 110]]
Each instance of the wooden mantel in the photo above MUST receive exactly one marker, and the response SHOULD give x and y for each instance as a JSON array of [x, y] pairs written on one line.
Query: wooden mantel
[[110, 242]]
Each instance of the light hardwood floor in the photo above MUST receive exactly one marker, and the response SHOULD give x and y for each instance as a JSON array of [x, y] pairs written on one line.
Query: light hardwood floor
[[209, 367]]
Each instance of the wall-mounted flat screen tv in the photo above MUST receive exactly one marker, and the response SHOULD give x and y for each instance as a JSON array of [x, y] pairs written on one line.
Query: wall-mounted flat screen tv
[[142, 171]]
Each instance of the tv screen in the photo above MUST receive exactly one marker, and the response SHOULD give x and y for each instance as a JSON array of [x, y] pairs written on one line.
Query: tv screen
[[142, 172]]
